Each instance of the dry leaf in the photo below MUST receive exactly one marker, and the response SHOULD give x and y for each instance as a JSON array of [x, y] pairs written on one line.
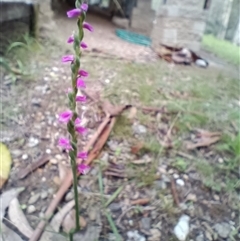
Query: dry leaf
[[112, 110], [53, 228], [203, 142], [18, 218], [7, 197], [135, 149], [58, 218], [69, 222], [9, 235], [141, 161], [5, 164]]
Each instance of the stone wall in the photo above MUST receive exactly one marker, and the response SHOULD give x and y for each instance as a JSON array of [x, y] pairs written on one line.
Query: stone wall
[[142, 17], [180, 24]]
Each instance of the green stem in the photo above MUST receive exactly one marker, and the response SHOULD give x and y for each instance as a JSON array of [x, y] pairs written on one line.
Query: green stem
[[71, 128]]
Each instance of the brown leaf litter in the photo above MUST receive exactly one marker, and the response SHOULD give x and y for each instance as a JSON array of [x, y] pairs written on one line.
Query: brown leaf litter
[[204, 139]]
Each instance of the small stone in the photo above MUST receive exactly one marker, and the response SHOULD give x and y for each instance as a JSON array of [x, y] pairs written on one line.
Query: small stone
[[41, 215], [223, 229], [170, 171], [155, 235], [107, 81], [162, 170], [53, 161], [200, 237], [180, 182], [185, 177], [44, 195], [24, 156], [130, 222], [56, 180], [216, 197], [181, 230], [16, 153], [160, 184], [146, 223], [69, 196], [31, 209], [44, 179], [33, 198], [175, 176], [50, 190], [191, 197], [58, 157], [135, 236], [105, 158], [139, 129], [36, 102], [154, 214], [92, 214], [33, 142], [208, 235], [114, 207], [220, 160], [48, 151], [55, 69]]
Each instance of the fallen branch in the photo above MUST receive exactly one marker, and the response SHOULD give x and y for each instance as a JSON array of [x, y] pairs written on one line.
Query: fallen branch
[[25, 171], [103, 134], [174, 193]]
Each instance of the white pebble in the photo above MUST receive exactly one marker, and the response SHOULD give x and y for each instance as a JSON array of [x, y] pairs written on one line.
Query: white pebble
[[24, 156], [180, 182], [48, 151], [53, 161], [107, 81], [31, 209], [44, 179], [55, 69], [175, 176], [181, 230]]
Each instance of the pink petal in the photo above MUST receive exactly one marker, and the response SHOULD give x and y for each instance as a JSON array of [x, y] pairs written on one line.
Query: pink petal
[[83, 169], [81, 130], [67, 58], [83, 45], [74, 13], [88, 26], [81, 98], [82, 155], [84, 7], [77, 122], [65, 116], [70, 39], [83, 73], [81, 83], [64, 143]]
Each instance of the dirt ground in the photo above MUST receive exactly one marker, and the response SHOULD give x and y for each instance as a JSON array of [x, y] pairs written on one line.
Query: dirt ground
[[165, 176]]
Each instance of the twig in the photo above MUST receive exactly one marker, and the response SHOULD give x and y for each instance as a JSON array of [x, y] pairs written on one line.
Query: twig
[[141, 201], [182, 154], [114, 174], [118, 222], [174, 192], [172, 125]]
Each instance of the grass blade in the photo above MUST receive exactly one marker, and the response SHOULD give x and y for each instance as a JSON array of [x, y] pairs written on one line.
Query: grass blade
[[115, 194]]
